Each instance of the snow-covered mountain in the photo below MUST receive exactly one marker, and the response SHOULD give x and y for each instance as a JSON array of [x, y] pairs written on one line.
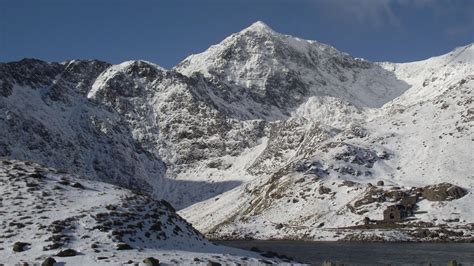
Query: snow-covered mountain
[[417, 133], [283, 71], [263, 135], [45, 117]]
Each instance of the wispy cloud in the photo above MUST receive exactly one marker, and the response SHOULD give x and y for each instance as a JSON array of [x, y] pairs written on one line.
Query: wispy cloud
[[388, 13], [374, 13]]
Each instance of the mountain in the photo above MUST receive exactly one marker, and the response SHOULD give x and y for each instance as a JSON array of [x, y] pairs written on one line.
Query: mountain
[[49, 214], [263, 135], [315, 178], [282, 72], [45, 117]]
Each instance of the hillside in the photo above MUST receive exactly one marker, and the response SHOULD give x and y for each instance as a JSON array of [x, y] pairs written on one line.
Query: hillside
[[50, 214]]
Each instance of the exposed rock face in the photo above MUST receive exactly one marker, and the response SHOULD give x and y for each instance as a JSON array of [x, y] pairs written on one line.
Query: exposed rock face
[[443, 192], [183, 125]]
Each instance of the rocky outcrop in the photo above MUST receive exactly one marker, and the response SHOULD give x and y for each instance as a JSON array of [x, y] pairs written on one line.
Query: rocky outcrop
[[443, 192]]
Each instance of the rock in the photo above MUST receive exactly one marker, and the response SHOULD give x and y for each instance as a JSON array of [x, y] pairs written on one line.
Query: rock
[[213, 263], [48, 262], [395, 194], [443, 192], [380, 183], [123, 246], [78, 185], [366, 220], [348, 183], [168, 205], [279, 226], [372, 195], [18, 225], [324, 190], [55, 245], [6, 89], [151, 261], [20, 246], [67, 253]]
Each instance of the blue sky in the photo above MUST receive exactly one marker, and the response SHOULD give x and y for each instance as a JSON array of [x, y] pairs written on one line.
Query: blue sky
[[165, 32]]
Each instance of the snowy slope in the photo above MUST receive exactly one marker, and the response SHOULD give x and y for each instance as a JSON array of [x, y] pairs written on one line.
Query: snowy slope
[[103, 224], [431, 77]]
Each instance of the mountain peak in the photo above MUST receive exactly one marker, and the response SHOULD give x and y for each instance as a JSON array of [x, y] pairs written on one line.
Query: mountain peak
[[259, 26]]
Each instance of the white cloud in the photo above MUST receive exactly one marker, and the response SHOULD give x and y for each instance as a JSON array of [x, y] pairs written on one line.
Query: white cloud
[[375, 13]]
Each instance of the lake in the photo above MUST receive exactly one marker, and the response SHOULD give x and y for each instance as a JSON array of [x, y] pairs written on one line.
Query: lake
[[362, 253]]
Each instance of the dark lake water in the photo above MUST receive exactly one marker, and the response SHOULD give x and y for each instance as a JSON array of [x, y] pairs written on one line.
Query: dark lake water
[[365, 253]]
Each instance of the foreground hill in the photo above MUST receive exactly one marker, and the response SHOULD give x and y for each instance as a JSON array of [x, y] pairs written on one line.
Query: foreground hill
[[50, 214]]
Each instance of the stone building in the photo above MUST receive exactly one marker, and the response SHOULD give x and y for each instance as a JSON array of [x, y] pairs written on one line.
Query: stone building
[[394, 213]]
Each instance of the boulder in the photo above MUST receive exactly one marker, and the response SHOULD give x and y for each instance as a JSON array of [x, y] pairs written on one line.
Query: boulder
[[123, 246], [67, 253], [20, 246], [324, 190], [48, 262], [380, 183], [78, 185], [443, 192], [151, 261]]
